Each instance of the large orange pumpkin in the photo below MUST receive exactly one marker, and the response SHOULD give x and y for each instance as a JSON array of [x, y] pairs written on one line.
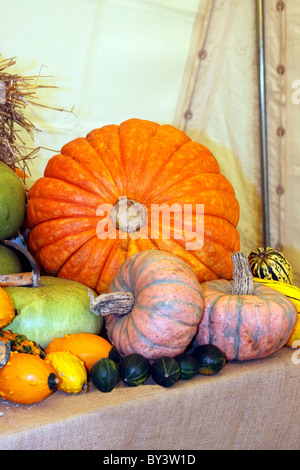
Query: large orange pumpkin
[[75, 215]]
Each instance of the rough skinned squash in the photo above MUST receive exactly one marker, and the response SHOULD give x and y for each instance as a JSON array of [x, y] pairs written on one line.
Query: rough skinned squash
[[21, 344], [27, 379], [147, 165]]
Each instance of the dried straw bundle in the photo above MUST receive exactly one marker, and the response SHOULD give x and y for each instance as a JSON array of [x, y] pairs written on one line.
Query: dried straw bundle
[[17, 93]]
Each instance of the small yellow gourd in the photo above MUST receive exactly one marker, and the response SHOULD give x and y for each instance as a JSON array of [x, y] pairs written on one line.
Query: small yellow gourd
[[70, 369]]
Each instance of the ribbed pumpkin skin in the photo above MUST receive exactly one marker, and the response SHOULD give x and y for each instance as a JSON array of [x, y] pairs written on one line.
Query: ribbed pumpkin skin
[[144, 161], [245, 327], [168, 306]]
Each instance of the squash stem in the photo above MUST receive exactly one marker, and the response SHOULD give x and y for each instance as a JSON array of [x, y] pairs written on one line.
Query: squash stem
[[128, 215], [115, 303], [243, 283]]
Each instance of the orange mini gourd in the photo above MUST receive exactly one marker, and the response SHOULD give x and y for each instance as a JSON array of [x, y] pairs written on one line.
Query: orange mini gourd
[[27, 379], [102, 197], [7, 311], [87, 346]]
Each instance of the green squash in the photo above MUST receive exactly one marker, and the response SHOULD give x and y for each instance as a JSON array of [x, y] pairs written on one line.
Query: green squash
[[188, 366], [105, 375], [165, 371], [55, 308], [134, 369], [12, 202], [10, 263], [210, 358]]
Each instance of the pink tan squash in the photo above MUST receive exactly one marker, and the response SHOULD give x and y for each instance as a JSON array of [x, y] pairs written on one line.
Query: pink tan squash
[[153, 307], [245, 319]]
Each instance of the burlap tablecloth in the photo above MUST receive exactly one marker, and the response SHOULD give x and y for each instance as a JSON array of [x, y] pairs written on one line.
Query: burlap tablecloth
[[251, 405]]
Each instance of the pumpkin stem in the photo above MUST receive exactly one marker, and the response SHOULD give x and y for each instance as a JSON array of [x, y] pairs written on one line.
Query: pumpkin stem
[[115, 303], [243, 283], [12, 280], [128, 215]]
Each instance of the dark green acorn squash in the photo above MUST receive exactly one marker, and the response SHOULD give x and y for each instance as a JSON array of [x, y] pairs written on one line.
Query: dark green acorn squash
[[210, 359], [188, 366], [165, 371], [105, 375], [134, 369]]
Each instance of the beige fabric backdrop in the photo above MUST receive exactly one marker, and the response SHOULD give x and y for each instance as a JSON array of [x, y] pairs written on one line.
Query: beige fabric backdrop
[[223, 101], [283, 118], [116, 59]]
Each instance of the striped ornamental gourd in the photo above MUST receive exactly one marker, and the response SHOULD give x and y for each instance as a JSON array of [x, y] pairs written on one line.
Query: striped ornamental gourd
[[268, 263]]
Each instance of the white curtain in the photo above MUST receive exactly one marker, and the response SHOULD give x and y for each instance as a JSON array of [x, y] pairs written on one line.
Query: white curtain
[[283, 114], [221, 95], [192, 64], [110, 59], [220, 108]]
